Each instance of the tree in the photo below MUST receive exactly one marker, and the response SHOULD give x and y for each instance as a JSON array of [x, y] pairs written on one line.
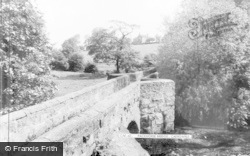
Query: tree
[[76, 62], [59, 61], [21, 28], [137, 40], [149, 40], [157, 38], [111, 45], [26, 54], [129, 60], [150, 59], [71, 45], [212, 74]]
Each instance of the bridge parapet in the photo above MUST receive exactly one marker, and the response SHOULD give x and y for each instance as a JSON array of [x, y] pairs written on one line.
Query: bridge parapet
[[84, 118], [31, 122], [97, 123]]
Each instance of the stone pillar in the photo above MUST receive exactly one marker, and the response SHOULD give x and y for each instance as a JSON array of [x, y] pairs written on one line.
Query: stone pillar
[[157, 106]]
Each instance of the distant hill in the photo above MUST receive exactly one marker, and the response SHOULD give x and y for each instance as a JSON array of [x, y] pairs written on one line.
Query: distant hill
[[145, 49]]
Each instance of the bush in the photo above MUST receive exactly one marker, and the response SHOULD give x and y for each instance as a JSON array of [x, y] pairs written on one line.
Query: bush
[[76, 62], [150, 60], [209, 74], [59, 61], [59, 65], [29, 84], [90, 68], [25, 60]]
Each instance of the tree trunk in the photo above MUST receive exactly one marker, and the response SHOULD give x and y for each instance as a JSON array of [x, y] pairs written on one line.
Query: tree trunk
[[117, 66]]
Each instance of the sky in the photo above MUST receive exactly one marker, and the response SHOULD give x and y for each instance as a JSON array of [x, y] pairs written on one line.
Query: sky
[[66, 18]]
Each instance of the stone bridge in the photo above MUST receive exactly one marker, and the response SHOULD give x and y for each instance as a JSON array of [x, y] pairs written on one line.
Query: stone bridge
[[95, 115]]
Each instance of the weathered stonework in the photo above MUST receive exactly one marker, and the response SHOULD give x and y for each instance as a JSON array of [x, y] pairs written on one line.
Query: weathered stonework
[[157, 105], [85, 118], [122, 146], [31, 122]]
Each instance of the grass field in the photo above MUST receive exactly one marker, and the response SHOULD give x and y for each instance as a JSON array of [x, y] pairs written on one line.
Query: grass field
[[68, 82]]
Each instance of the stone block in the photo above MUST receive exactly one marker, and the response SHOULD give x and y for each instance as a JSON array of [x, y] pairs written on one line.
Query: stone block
[[161, 95], [158, 118], [145, 101], [169, 127]]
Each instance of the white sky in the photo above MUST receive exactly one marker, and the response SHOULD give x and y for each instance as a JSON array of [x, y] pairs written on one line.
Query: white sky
[[66, 18]]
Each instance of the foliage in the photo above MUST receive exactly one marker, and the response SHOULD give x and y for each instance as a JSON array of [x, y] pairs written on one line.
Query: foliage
[[90, 68], [111, 45], [130, 60], [59, 61], [26, 54], [76, 62], [73, 53], [71, 45], [157, 38], [137, 40], [150, 59], [87, 57], [209, 74], [28, 84], [149, 40]]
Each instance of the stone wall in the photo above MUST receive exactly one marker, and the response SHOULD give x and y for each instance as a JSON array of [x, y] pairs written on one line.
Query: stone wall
[[97, 123], [85, 119], [157, 105], [122, 146], [137, 76], [30, 123]]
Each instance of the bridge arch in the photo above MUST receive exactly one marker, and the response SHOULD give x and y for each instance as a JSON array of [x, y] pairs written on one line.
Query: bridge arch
[[133, 127]]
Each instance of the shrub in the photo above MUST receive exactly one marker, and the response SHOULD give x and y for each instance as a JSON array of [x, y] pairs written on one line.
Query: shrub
[[150, 60], [129, 61], [59, 65], [90, 68], [25, 55], [29, 84], [59, 62], [76, 62]]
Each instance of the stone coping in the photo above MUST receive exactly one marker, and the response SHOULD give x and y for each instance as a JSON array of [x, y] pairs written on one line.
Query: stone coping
[[56, 101], [87, 119]]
